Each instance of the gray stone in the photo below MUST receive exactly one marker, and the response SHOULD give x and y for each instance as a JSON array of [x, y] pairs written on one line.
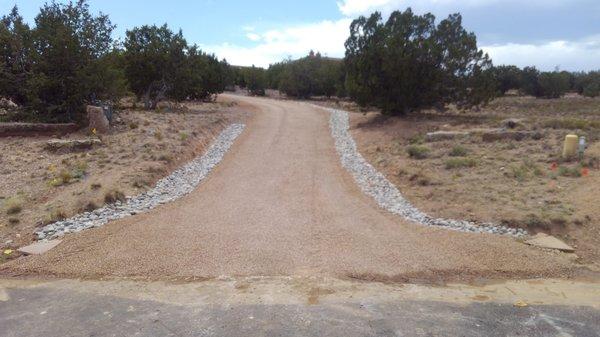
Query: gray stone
[[445, 135]]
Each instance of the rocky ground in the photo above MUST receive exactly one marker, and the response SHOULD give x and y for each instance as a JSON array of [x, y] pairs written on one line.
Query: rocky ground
[[43, 184]]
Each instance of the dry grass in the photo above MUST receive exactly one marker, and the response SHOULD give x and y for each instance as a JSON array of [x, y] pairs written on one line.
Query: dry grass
[[14, 205], [142, 147], [517, 183]]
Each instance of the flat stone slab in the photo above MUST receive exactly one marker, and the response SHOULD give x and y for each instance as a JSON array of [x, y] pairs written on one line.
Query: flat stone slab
[[549, 242], [72, 144], [39, 247], [445, 135]]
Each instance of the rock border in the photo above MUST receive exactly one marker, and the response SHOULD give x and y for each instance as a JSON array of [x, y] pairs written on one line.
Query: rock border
[[179, 183], [387, 196]]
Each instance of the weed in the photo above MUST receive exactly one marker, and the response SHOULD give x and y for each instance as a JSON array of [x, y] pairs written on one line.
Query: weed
[[88, 207], [55, 215], [113, 196], [573, 172], [14, 205], [96, 186], [158, 135], [133, 125], [418, 139], [534, 221], [458, 151], [165, 158], [421, 179], [456, 163], [418, 151], [13, 221], [183, 136]]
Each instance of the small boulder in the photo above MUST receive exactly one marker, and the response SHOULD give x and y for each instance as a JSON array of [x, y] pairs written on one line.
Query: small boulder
[[97, 119], [512, 123], [445, 135]]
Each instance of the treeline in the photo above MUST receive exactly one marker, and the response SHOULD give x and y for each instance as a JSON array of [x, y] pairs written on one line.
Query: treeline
[[69, 59], [313, 75], [409, 62], [530, 81]]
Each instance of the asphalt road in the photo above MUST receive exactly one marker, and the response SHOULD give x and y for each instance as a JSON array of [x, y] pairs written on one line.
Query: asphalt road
[[290, 308]]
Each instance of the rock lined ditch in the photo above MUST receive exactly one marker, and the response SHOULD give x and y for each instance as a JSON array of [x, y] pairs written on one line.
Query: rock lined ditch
[[387, 196], [179, 183]]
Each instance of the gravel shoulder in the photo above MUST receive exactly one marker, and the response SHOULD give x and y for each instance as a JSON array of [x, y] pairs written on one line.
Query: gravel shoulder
[[280, 203]]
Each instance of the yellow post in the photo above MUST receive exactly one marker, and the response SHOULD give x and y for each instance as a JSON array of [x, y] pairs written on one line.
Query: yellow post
[[570, 148]]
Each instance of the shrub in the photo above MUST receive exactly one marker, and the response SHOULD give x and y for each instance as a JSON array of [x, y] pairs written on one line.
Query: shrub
[[418, 151], [458, 151], [455, 163], [14, 205], [113, 196], [54, 215], [553, 84], [591, 90]]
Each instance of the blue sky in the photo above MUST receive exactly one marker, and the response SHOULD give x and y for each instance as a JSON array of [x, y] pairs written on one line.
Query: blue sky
[[545, 33]]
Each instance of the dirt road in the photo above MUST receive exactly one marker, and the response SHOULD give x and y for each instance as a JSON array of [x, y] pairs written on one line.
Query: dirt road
[[281, 204]]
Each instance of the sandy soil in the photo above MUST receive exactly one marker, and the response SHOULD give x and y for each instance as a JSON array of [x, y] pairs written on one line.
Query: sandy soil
[[281, 204], [516, 183], [141, 148]]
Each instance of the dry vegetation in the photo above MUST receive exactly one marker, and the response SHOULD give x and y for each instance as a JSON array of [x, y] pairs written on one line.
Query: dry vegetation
[[39, 186], [519, 183]]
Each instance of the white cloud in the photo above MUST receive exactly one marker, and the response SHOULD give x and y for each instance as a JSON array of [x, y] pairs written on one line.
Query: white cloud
[[583, 54], [328, 37], [272, 46], [358, 7], [253, 36]]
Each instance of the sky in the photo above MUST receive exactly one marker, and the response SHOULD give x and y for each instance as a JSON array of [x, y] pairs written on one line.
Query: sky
[[549, 34]]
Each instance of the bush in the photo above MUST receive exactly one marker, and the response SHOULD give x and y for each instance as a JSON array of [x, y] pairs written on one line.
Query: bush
[[418, 151], [591, 90], [13, 205], [113, 196], [458, 151], [553, 84], [409, 63], [455, 163]]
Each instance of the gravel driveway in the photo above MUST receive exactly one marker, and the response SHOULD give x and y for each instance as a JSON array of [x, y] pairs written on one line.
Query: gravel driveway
[[280, 203]]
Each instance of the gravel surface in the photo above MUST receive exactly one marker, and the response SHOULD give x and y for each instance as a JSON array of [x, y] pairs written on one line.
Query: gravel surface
[[179, 183], [281, 204], [385, 193]]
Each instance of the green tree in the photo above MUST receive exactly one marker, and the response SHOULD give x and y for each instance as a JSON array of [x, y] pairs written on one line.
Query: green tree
[[155, 58], [408, 63], [15, 56], [507, 78], [313, 75], [256, 81], [62, 62]]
